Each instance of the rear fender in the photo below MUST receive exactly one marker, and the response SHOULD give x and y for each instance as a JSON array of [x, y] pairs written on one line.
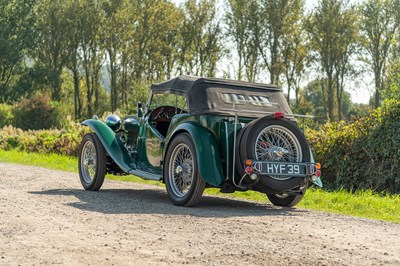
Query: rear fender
[[112, 144], [207, 151]]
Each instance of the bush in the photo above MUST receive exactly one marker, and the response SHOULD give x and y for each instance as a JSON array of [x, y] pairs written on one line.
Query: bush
[[363, 154], [61, 141], [6, 115], [38, 113]]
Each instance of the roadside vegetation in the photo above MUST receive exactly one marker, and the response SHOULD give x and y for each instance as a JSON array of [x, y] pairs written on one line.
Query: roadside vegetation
[[363, 203]]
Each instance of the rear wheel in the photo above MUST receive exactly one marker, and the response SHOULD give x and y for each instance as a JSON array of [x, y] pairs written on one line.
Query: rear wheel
[[289, 200], [92, 162], [183, 182]]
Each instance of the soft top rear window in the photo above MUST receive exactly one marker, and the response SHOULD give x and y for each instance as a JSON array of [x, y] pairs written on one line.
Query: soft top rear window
[[242, 99], [233, 98]]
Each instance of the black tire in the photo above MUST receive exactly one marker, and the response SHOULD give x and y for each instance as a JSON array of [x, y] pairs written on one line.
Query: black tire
[[90, 146], [239, 158], [286, 200], [247, 150], [183, 145]]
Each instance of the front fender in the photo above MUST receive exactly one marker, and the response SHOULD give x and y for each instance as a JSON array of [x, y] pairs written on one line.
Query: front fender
[[112, 144], [207, 151]]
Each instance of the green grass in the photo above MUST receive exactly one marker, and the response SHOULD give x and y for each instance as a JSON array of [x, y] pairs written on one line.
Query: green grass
[[51, 161], [362, 204]]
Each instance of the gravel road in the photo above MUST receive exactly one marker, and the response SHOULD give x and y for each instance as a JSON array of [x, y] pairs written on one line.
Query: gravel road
[[47, 218]]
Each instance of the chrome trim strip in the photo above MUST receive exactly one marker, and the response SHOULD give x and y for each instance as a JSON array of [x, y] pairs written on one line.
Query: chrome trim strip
[[262, 112]]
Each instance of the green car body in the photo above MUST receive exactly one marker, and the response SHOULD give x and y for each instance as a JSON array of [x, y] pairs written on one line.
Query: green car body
[[212, 135], [139, 145]]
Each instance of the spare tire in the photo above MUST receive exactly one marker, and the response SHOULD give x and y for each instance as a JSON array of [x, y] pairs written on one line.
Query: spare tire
[[258, 140]]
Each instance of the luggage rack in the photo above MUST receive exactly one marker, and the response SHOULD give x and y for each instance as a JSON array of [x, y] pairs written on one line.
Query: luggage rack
[[258, 103]]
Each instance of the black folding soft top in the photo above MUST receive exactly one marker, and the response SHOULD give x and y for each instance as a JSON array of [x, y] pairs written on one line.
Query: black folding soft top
[[217, 96]]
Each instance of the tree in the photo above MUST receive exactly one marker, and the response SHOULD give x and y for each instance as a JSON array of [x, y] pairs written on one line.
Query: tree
[[272, 26], [52, 23], [91, 51], [331, 28], [17, 41], [379, 23], [348, 32], [199, 39], [294, 52], [115, 35], [239, 19], [73, 48]]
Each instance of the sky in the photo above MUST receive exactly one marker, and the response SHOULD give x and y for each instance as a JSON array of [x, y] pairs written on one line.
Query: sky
[[360, 89]]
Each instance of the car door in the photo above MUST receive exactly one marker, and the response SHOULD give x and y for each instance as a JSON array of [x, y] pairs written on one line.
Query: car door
[[151, 144]]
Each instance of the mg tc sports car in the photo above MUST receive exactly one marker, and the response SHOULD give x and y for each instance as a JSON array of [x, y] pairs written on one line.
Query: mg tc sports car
[[196, 133]]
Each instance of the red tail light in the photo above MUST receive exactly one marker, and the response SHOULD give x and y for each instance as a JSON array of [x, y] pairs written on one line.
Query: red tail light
[[248, 170], [279, 115]]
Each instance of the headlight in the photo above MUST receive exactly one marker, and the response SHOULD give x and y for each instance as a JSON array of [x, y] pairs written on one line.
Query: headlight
[[114, 122]]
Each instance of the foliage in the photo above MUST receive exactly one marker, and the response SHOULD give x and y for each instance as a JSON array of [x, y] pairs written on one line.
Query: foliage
[[61, 141], [277, 19], [363, 154], [198, 41], [17, 40], [98, 55], [380, 23], [240, 19], [37, 112], [6, 115], [333, 33]]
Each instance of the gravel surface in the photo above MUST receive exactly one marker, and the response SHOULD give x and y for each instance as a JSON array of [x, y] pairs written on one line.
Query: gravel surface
[[47, 218]]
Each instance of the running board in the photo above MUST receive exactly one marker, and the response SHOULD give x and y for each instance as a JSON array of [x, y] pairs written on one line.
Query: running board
[[145, 175]]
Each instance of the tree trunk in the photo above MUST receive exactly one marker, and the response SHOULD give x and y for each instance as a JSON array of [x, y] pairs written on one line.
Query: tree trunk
[[377, 88], [56, 95], [77, 99], [323, 89], [330, 98]]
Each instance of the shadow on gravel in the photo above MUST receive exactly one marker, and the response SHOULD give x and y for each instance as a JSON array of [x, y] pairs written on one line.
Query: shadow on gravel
[[155, 201]]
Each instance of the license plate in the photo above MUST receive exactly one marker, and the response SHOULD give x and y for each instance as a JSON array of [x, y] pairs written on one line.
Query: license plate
[[281, 169]]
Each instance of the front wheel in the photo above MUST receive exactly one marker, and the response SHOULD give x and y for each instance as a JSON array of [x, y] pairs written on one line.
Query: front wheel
[[289, 200], [184, 184], [92, 162]]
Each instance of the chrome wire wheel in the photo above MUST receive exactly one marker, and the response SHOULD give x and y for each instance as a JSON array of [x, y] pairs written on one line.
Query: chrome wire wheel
[[181, 172], [277, 143], [92, 162], [88, 162]]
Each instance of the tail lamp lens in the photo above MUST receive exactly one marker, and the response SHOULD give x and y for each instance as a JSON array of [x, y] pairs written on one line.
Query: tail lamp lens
[[279, 115], [248, 170]]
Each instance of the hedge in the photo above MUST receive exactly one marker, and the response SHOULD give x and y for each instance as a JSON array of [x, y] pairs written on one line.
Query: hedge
[[363, 154]]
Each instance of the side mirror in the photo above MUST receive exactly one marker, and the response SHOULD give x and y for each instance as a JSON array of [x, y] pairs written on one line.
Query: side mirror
[[139, 109]]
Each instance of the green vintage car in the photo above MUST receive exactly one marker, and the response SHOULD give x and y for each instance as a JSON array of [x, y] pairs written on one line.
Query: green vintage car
[[195, 133]]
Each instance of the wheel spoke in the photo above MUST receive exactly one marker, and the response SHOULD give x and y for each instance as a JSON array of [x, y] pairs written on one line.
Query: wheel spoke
[[284, 146], [181, 170], [88, 162]]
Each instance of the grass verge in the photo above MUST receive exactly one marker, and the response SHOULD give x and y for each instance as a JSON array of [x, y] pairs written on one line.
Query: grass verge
[[361, 204]]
